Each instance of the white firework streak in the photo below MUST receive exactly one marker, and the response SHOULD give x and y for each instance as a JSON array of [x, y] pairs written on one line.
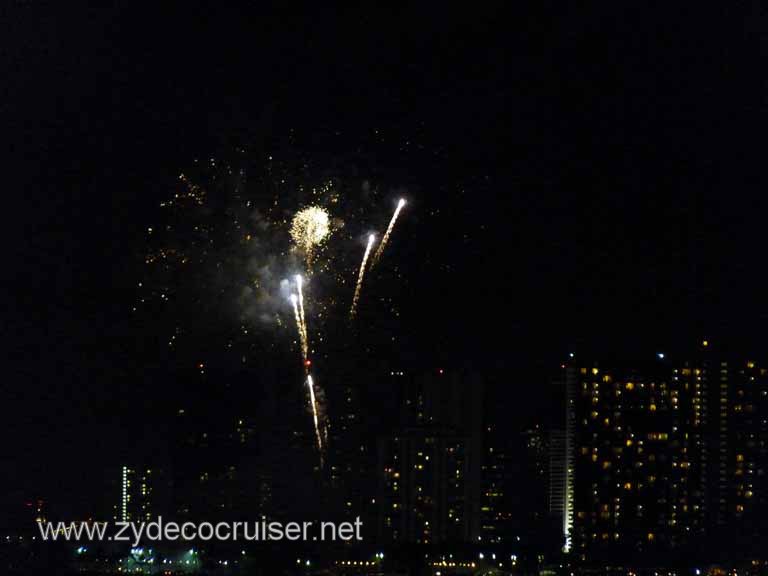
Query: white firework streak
[[296, 314], [303, 323], [388, 233], [360, 276], [313, 401]]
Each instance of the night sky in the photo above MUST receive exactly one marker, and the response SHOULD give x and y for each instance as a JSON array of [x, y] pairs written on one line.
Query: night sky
[[580, 177]]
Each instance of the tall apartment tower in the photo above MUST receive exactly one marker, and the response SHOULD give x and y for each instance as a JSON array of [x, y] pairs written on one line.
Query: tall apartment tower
[[430, 466], [731, 436], [661, 456], [557, 492], [635, 483], [562, 448], [136, 495]]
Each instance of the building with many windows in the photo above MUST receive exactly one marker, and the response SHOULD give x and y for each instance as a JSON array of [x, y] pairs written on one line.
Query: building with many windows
[[656, 457], [495, 514], [136, 495], [430, 466]]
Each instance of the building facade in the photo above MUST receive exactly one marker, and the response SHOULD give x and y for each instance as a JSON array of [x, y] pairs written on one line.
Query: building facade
[[659, 457], [430, 466]]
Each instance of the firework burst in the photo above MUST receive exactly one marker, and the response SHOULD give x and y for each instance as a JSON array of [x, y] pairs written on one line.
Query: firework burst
[[310, 228], [237, 257]]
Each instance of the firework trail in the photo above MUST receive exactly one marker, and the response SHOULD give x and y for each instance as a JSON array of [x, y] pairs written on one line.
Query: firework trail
[[313, 401], [388, 233], [299, 285], [360, 275], [297, 301], [299, 326]]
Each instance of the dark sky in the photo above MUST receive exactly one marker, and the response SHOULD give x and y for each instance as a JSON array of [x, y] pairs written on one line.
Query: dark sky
[[599, 174]]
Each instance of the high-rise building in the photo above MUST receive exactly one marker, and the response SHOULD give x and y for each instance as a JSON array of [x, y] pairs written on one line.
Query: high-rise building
[[557, 495], [748, 473], [351, 452], [730, 431], [560, 499], [136, 495], [430, 466], [661, 456], [495, 514], [536, 441], [630, 443], [221, 470]]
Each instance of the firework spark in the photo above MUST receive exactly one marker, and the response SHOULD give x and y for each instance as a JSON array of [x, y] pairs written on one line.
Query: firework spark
[[388, 233], [309, 229], [360, 275], [313, 402]]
